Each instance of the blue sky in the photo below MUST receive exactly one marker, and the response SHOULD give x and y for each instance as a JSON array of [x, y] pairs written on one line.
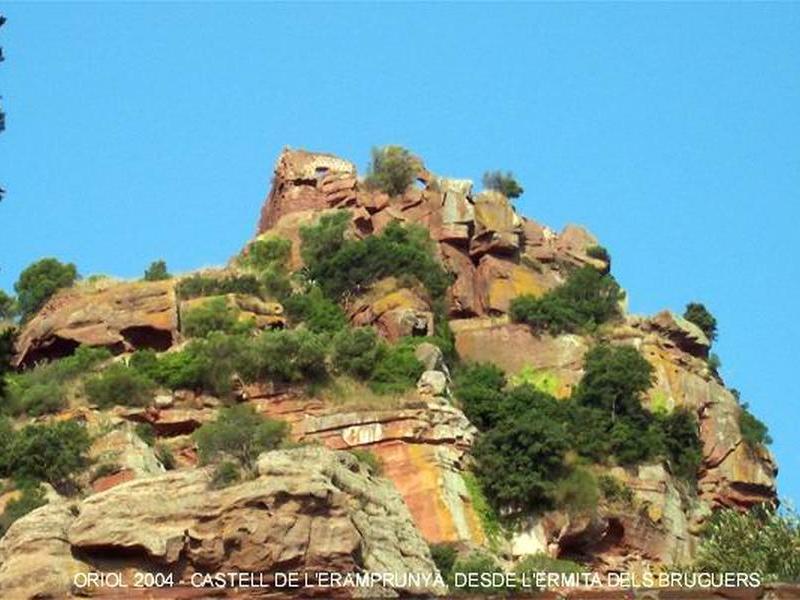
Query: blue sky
[[142, 131]]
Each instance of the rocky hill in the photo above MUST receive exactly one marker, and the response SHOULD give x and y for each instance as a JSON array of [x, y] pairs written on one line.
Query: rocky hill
[[315, 507]]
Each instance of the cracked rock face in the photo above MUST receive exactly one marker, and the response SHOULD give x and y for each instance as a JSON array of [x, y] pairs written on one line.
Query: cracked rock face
[[307, 509]]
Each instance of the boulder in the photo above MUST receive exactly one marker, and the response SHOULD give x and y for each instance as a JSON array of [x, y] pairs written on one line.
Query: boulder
[[497, 226], [685, 334], [432, 383], [308, 508], [393, 310], [121, 316]]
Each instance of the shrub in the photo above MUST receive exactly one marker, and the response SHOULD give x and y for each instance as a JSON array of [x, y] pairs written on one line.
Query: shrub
[[325, 238], [240, 434], [165, 457], [587, 299], [754, 432], [598, 252], [105, 469], [213, 315], [369, 459], [224, 474], [285, 356], [615, 379], [397, 370], [176, 370], [268, 253], [157, 271], [51, 453], [8, 306], [146, 433], [392, 170], [542, 563], [120, 385], [760, 541], [357, 351], [614, 490], [7, 349], [33, 496], [578, 492], [198, 286], [697, 313], [319, 313], [682, 443], [43, 389], [39, 281], [505, 183], [714, 362], [352, 265], [444, 557], [482, 563]]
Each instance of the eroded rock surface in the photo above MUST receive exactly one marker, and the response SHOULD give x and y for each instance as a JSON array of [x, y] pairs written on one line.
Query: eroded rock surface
[[307, 509]]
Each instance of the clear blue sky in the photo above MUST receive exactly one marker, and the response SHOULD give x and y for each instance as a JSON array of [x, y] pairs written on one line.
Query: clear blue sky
[[673, 131]]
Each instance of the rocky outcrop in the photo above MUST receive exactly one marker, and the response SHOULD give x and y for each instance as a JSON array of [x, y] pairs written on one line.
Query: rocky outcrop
[[393, 310], [125, 457], [265, 315], [119, 316], [307, 509]]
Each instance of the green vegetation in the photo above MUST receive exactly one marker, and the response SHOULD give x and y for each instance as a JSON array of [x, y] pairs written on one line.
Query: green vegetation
[[396, 370], [614, 490], [157, 271], [33, 496], [105, 469], [444, 557], [714, 362], [43, 389], [225, 473], [490, 520], [542, 563], [38, 282], [7, 340], [754, 432], [8, 307], [761, 541], [369, 459], [284, 356], [146, 433], [587, 299], [51, 452], [598, 252], [527, 435], [343, 266], [392, 170], [120, 385], [697, 313], [214, 314], [477, 562], [269, 257], [165, 457], [505, 183], [198, 286], [318, 313], [240, 434], [357, 351]]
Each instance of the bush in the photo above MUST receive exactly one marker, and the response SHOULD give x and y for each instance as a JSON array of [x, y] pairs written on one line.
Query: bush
[[320, 314], [587, 299], [165, 457], [542, 563], [241, 434], [349, 266], [285, 356], [214, 314], [478, 562], [105, 469], [325, 238], [444, 557], [51, 453], [754, 432], [8, 339], [157, 271], [8, 307], [760, 541], [392, 170], [682, 443], [505, 183], [614, 490], [268, 253], [43, 389], [33, 496], [478, 387], [578, 492], [146, 433], [38, 282], [397, 370], [357, 351], [369, 459], [120, 385], [198, 286], [224, 474], [697, 313], [598, 252]]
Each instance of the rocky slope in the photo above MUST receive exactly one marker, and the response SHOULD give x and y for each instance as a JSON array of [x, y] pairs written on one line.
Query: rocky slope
[[312, 508]]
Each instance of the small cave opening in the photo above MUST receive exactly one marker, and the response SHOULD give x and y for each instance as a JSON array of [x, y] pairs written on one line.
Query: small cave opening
[[57, 347], [147, 337]]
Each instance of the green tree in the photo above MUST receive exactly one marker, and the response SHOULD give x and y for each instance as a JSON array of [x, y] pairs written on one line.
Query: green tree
[[397, 370], [357, 351], [392, 170], [8, 307], [39, 281], [697, 313], [7, 349], [505, 183], [120, 385], [157, 271], [241, 434], [52, 453], [754, 432], [215, 314], [760, 541]]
